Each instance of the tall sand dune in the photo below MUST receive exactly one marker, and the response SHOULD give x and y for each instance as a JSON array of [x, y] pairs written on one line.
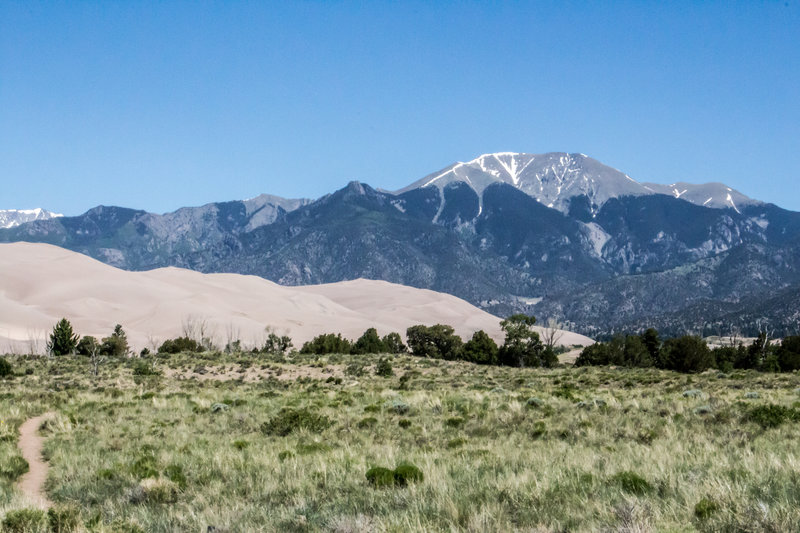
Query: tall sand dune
[[40, 283]]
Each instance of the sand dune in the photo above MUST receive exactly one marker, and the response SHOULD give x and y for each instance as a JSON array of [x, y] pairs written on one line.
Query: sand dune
[[40, 283]]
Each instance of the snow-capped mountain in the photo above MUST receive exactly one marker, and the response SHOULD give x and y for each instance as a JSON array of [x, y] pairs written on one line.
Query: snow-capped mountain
[[10, 218], [555, 178], [716, 195]]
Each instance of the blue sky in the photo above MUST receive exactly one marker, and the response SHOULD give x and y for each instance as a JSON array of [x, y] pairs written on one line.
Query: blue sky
[[166, 104]]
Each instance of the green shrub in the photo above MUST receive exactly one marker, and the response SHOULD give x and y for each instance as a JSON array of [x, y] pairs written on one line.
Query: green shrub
[[705, 508], [367, 422], [702, 410], [14, 467], [240, 444], [384, 368], [539, 429], [181, 344], [5, 368], [566, 391], [454, 422], [26, 521], [64, 518], [632, 483], [289, 420], [372, 408], [456, 443], [752, 395], [404, 423], [406, 473], [326, 344], [355, 370], [143, 368], [771, 416], [379, 477]]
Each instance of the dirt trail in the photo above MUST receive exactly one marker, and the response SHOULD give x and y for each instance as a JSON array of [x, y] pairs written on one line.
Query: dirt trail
[[30, 443]]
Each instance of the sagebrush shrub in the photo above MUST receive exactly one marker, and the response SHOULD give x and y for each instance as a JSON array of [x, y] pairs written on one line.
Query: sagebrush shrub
[[399, 407], [288, 420]]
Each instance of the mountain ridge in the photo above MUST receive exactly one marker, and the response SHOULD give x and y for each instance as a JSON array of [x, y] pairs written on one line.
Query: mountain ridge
[[501, 249]]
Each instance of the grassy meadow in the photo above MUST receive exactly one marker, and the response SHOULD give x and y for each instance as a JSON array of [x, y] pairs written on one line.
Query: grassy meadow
[[248, 442]]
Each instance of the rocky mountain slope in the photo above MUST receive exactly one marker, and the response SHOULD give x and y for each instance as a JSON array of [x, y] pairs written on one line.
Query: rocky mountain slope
[[557, 235]]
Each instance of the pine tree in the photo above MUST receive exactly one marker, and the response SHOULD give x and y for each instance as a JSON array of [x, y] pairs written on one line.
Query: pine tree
[[63, 340]]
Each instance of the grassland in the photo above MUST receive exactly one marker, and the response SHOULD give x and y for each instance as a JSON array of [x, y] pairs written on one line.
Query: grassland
[[258, 443]]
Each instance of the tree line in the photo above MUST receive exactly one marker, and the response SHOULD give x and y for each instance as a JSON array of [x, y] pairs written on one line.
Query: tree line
[[522, 346], [692, 354]]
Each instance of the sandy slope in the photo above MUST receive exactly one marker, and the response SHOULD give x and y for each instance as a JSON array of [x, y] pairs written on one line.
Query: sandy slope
[[40, 283]]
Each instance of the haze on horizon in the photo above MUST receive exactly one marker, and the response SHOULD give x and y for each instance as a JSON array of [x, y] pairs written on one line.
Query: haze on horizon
[[158, 106]]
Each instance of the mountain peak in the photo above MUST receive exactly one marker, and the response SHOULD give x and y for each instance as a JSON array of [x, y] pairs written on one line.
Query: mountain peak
[[554, 178], [551, 178], [10, 218]]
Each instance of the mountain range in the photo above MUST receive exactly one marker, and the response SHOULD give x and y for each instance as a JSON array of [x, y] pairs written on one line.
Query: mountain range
[[556, 235]]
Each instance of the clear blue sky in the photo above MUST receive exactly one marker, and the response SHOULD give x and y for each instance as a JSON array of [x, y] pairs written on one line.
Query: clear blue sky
[[157, 105]]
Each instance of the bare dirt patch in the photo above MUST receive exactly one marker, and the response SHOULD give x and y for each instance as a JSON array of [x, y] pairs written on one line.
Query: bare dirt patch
[[30, 444]]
